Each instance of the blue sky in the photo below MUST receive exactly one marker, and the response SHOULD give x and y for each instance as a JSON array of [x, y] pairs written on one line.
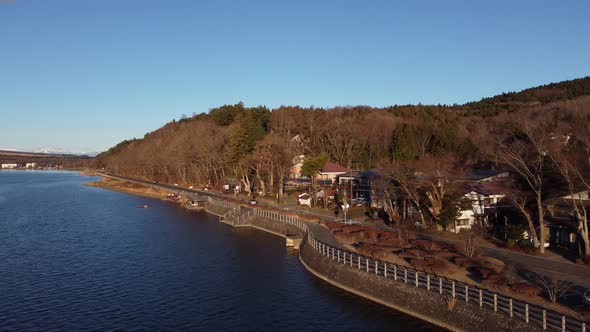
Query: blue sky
[[84, 75]]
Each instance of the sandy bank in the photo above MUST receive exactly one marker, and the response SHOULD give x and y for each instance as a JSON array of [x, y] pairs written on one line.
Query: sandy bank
[[128, 188]]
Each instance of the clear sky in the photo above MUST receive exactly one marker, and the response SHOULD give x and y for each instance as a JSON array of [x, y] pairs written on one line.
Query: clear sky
[[82, 75]]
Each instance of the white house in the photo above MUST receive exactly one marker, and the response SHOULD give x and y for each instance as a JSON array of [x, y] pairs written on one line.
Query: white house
[[348, 177], [476, 204], [8, 166], [30, 165]]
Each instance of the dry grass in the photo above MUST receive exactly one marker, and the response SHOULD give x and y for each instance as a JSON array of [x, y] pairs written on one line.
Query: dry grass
[[451, 302], [128, 188]]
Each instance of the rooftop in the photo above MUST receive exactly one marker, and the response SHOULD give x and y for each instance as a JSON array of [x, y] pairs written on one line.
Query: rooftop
[[330, 167]]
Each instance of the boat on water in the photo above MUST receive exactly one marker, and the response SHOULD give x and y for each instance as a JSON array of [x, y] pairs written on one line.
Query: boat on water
[[143, 206], [173, 197]]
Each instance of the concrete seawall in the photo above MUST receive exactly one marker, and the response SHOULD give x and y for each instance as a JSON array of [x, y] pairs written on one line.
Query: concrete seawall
[[415, 302]]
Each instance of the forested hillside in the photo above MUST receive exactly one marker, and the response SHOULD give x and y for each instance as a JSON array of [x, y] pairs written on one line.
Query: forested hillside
[[256, 145], [422, 153]]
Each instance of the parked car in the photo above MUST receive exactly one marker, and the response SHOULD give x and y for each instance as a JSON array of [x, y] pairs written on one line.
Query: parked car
[[252, 202], [586, 298], [359, 201]]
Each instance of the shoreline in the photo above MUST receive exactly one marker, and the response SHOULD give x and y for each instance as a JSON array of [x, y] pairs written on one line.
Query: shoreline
[[127, 187], [327, 272]]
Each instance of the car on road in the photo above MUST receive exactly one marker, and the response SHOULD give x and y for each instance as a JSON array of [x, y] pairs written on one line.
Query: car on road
[[176, 184], [252, 202], [359, 201], [586, 298]]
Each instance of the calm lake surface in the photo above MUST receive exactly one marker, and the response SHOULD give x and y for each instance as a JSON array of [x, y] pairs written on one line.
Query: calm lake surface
[[82, 258]]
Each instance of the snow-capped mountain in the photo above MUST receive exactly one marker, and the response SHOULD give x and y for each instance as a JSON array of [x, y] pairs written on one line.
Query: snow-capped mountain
[[64, 151]]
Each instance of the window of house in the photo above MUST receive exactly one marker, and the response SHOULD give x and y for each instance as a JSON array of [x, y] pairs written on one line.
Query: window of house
[[466, 205], [462, 222]]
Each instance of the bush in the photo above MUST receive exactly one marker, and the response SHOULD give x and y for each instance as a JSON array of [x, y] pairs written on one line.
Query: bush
[[526, 289], [427, 245], [527, 247], [485, 272], [459, 260], [491, 263], [440, 270], [497, 282], [419, 264]]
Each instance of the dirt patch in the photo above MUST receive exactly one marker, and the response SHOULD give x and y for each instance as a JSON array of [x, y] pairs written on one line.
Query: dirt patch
[[128, 188]]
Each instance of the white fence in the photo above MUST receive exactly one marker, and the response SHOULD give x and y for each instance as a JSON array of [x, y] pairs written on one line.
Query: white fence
[[535, 315], [224, 204]]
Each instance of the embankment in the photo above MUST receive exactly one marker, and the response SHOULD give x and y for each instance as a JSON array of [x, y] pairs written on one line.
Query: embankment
[[128, 188], [274, 227], [438, 309], [416, 302]]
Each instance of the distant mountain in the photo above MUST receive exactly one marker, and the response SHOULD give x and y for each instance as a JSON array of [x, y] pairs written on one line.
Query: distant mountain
[[41, 153], [60, 151], [41, 158]]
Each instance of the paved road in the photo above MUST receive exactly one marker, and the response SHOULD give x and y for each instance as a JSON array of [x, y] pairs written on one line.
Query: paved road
[[578, 274]]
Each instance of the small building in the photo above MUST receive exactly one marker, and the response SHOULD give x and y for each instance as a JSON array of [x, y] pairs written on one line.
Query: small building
[[304, 199], [330, 172], [9, 166], [349, 178], [231, 186], [369, 188], [489, 175], [477, 203], [561, 218], [296, 184], [295, 170], [30, 165]]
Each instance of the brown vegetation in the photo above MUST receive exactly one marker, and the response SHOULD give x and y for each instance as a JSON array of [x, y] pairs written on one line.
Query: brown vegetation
[[422, 151], [129, 188]]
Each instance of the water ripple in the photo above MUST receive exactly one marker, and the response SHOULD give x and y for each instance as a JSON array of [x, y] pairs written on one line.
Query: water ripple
[[79, 258]]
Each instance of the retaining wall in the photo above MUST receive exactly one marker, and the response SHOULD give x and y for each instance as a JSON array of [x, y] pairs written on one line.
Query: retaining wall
[[416, 302], [415, 293]]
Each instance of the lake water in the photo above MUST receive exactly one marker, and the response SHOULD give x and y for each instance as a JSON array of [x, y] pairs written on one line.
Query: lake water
[[81, 258]]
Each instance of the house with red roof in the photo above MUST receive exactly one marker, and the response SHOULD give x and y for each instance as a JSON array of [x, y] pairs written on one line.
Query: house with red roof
[[330, 172]]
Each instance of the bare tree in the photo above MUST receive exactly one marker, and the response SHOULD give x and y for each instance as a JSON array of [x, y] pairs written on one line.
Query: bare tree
[[391, 207], [573, 179], [524, 151], [471, 239], [521, 201], [553, 286], [439, 177], [405, 179]]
